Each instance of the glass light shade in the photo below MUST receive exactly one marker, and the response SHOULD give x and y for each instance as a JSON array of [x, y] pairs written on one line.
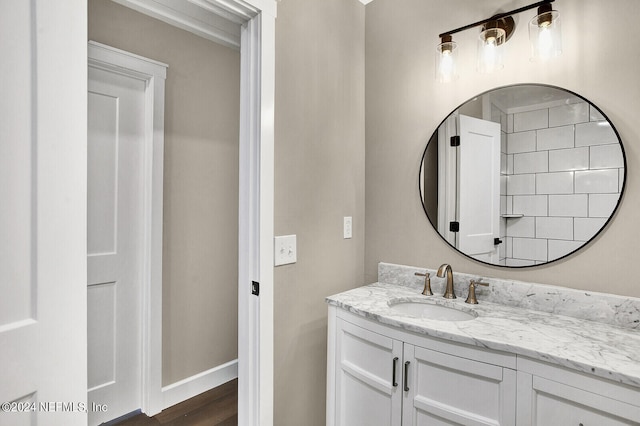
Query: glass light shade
[[446, 62], [491, 50], [545, 36]]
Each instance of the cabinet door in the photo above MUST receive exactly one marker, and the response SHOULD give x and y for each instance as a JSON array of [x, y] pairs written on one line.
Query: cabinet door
[[544, 402], [366, 393], [449, 390]]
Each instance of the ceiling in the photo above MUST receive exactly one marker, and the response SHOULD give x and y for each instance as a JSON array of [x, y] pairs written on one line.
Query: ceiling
[[526, 95]]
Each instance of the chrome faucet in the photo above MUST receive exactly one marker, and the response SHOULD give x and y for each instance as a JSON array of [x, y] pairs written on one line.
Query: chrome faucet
[[448, 292]]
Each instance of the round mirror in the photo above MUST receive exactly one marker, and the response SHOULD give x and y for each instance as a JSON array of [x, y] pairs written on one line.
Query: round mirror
[[522, 175]]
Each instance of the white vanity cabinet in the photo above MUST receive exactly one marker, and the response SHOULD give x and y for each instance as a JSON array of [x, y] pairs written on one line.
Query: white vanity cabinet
[[446, 389], [550, 395], [381, 375], [368, 377]]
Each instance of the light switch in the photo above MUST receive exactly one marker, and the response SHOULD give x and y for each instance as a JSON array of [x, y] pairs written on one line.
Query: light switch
[[348, 227], [285, 251]]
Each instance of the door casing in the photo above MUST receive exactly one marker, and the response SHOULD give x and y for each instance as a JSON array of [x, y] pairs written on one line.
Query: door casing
[[153, 73], [256, 191]]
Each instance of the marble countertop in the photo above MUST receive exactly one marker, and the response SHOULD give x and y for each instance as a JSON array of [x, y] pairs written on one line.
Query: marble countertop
[[598, 348]]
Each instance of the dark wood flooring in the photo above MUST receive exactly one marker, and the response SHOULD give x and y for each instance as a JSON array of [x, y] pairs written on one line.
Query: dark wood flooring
[[217, 407]]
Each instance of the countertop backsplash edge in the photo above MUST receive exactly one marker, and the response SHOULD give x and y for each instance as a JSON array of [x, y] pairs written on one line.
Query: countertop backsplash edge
[[620, 311]]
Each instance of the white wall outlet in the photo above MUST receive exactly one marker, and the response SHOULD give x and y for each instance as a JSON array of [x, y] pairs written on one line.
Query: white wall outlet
[[348, 227], [285, 251]]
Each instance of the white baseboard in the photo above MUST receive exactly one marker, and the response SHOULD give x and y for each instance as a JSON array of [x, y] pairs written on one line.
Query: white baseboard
[[191, 386]]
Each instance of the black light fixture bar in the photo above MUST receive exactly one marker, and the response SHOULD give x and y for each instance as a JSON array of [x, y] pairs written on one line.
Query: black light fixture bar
[[496, 17]]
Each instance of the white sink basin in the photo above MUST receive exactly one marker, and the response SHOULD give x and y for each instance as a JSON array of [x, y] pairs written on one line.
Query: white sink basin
[[432, 311]]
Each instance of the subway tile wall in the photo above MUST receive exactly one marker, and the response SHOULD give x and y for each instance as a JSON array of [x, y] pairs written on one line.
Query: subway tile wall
[[561, 179]]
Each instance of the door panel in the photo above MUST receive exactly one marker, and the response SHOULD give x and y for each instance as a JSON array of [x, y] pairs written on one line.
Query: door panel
[[101, 319], [16, 167], [547, 402], [479, 188], [446, 389], [114, 215], [366, 394], [18, 282], [42, 213], [102, 179]]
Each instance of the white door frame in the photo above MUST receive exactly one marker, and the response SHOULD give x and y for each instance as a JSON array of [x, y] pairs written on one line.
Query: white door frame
[[153, 73], [256, 170], [255, 245], [255, 216]]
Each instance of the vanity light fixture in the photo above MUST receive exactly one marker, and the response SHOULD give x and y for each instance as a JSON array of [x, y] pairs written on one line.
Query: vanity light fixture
[[491, 43], [446, 60], [544, 34]]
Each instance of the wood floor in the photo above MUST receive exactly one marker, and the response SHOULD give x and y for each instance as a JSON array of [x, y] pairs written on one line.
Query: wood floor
[[217, 407]]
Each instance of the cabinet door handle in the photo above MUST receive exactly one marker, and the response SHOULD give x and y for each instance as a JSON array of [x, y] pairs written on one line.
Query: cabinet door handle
[[393, 380], [406, 376]]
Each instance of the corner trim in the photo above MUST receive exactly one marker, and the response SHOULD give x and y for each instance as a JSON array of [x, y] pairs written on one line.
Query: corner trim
[[217, 28], [118, 60]]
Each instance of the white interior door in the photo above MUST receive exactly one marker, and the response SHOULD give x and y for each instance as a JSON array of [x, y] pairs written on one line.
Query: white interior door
[[116, 136], [479, 188], [43, 213]]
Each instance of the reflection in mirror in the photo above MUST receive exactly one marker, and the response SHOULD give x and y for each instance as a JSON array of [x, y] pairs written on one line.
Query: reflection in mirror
[[522, 175]]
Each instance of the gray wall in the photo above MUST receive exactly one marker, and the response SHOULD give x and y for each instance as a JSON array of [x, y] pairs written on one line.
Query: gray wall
[[200, 185], [319, 179], [404, 104]]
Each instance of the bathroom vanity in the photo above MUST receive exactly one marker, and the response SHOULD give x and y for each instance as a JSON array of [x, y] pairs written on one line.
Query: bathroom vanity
[[527, 354]]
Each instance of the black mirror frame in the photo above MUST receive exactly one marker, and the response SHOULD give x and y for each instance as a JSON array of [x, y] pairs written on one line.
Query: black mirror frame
[[587, 243]]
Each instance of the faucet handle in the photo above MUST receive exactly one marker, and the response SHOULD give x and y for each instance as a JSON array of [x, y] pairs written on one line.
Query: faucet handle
[[471, 298], [427, 283]]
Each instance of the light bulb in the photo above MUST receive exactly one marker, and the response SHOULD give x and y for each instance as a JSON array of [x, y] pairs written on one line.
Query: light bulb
[[544, 35], [490, 50], [545, 43], [446, 54], [489, 55], [446, 66]]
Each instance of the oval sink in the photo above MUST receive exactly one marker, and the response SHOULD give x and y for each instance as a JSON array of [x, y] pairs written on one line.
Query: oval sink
[[432, 311]]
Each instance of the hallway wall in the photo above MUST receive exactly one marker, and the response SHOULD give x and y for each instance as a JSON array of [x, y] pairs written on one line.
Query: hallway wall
[[200, 185]]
